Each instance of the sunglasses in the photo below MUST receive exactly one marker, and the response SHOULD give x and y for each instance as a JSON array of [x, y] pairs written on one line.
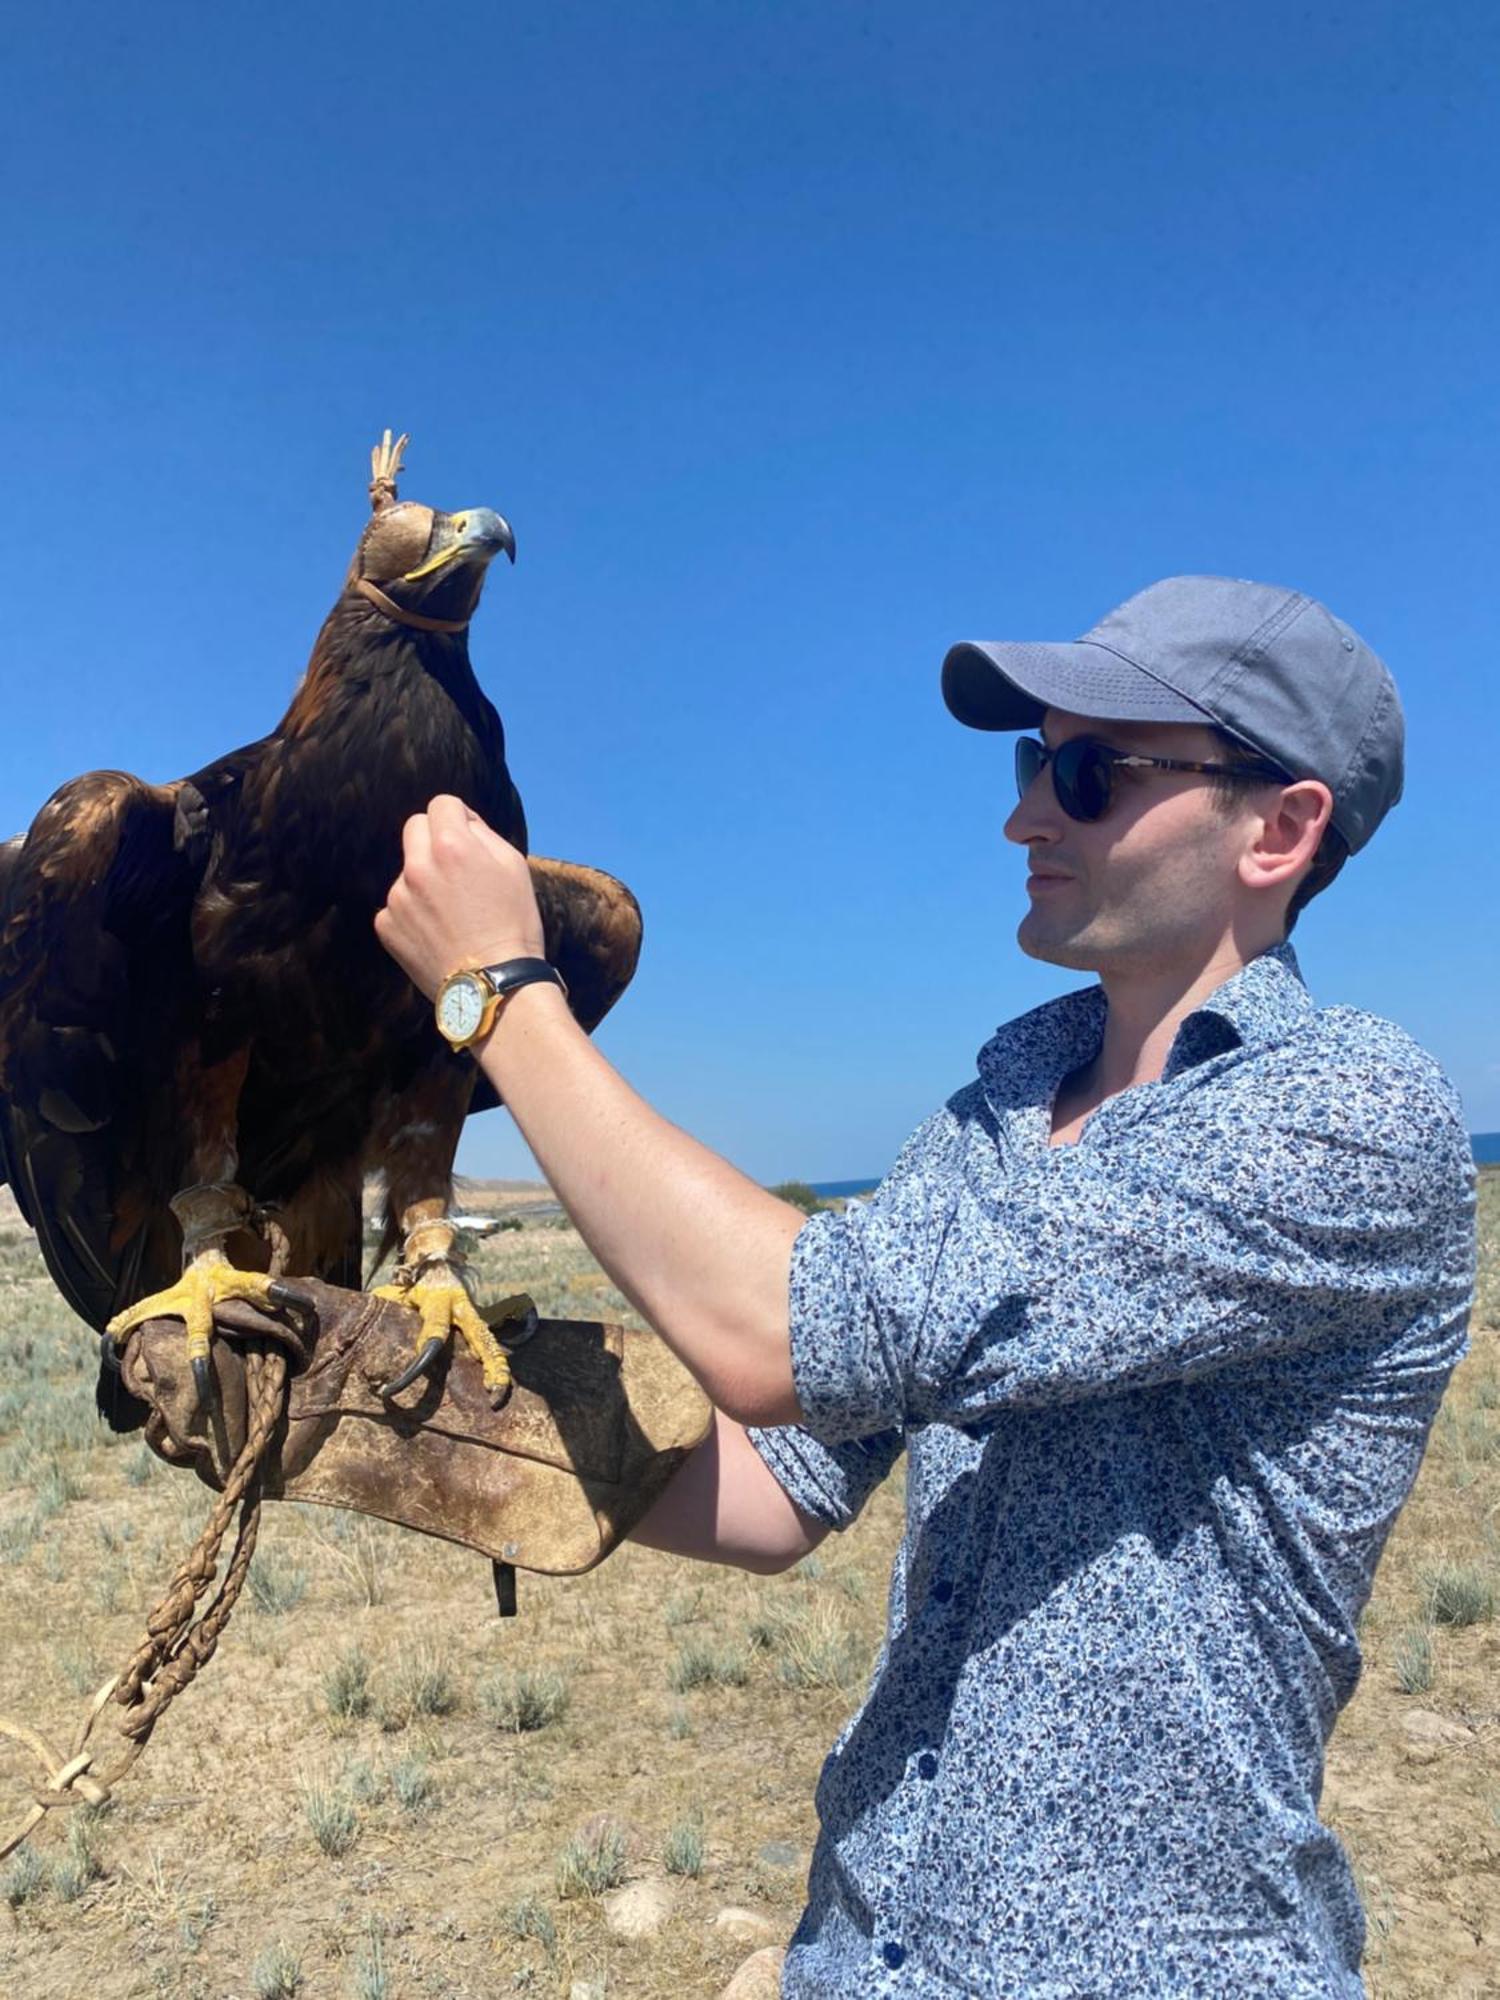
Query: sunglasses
[[1083, 772]]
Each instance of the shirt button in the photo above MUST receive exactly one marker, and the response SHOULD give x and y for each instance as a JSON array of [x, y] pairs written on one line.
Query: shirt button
[[894, 1954], [927, 1765], [942, 1590]]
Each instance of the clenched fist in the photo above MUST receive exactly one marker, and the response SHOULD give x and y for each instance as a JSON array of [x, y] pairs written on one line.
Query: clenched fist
[[463, 898]]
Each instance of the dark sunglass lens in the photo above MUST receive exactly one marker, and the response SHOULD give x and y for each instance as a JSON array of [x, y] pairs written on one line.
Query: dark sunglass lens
[[1031, 756], [1082, 773]]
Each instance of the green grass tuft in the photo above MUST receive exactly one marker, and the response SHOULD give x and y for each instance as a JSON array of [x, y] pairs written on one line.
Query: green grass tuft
[[372, 1979], [78, 1666], [527, 1700], [277, 1584], [683, 1853], [799, 1195], [1458, 1594], [420, 1683], [703, 1663], [331, 1815], [55, 1487], [1412, 1662], [276, 1973], [362, 1781], [79, 1863], [346, 1684], [817, 1650], [412, 1784], [591, 1863], [530, 1918], [19, 1535], [25, 1879]]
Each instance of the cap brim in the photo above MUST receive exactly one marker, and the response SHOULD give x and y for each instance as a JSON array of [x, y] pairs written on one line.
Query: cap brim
[[1011, 686]]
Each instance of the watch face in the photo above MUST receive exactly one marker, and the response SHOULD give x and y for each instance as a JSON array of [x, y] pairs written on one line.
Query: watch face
[[460, 1006]]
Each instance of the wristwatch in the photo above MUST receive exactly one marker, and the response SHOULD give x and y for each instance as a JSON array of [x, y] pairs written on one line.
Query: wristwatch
[[467, 1002]]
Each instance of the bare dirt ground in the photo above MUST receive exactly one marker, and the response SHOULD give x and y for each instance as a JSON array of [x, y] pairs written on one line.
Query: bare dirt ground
[[378, 1791]]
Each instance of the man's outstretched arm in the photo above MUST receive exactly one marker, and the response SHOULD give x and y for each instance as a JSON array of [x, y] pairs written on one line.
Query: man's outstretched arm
[[700, 1250], [726, 1506]]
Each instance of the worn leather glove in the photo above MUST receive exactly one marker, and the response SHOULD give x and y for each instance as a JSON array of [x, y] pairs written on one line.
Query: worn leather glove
[[598, 1419]]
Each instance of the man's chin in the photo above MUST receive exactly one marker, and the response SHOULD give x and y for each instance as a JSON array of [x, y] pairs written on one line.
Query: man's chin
[[1054, 947]]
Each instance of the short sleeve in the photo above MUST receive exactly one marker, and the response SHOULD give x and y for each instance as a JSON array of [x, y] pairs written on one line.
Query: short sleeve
[[1304, 1205], [830, 1482], [832, 1479], [860, 1281]]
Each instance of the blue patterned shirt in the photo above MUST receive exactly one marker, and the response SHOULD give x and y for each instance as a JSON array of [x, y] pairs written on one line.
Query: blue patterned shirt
[[1163, 1393]]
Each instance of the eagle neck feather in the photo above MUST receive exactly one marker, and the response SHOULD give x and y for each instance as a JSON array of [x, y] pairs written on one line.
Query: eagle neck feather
[[386, 718], [357, 650]]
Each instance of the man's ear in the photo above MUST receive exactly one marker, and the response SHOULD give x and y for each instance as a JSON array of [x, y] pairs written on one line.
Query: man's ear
[[1287, 835]]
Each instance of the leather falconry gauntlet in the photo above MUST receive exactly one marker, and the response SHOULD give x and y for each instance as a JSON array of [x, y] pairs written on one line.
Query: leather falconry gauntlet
[[598, 1419]]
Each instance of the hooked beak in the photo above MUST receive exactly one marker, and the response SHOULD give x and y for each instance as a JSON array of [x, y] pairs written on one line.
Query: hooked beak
[[478, 535]]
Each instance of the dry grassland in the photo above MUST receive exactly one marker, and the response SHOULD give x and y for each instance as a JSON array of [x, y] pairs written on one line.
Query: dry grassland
[[378, 1791]]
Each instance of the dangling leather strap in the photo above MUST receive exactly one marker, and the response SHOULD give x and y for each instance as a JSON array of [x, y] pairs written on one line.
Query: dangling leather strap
[[393, 610]]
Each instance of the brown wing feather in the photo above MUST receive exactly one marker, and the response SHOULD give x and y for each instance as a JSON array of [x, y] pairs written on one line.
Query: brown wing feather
[[94, 967], [592, 925], [10, 854]]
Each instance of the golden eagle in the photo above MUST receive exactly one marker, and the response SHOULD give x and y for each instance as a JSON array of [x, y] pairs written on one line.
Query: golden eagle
[[198, 1027]]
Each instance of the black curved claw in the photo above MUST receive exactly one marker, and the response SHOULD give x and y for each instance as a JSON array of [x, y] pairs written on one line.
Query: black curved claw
[[422, 1364], [290, 1299], [109, 1353], [203, 1380]]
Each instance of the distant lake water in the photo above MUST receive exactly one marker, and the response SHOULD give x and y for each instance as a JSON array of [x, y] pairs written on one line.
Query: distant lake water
[[1486, 1153]]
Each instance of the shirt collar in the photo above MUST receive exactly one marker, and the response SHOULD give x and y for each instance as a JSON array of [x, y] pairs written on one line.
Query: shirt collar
[[1021, 1063], [1263, 1001], [1024, 1061]]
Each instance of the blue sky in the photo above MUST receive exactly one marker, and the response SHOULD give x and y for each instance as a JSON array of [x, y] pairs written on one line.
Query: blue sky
[[796, 343]]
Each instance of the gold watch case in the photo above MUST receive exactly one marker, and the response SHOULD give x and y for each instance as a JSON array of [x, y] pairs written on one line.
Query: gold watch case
[[465, 1008], [467, 1002]]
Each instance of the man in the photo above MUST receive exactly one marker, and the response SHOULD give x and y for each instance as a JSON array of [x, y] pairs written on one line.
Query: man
[[1160, 1306]]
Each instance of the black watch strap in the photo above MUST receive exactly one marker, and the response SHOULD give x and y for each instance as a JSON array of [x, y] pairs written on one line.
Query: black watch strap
[[514, 972]]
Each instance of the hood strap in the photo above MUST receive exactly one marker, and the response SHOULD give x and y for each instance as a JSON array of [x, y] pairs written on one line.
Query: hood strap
[[384, 604]]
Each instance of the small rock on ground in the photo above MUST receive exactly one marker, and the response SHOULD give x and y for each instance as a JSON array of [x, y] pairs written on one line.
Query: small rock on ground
[[1428, 1736], [782, 1854], [1423, 1725], [759, 1978], [640, 1908], [745, 1926]]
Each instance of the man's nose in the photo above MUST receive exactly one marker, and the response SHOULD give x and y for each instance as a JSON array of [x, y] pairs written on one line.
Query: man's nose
[[1037, 815]]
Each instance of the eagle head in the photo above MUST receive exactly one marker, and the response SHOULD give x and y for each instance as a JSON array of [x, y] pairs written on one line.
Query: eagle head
[[425, 561]]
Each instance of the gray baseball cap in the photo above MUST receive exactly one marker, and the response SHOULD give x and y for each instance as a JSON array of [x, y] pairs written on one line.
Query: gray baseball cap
[[1270, 666]]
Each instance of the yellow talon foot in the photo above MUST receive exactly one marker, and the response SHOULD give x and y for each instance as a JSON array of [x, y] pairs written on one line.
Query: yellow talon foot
[[446, 1308], [192, 1300]]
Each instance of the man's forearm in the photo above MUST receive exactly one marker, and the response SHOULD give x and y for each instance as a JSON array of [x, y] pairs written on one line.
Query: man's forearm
[[698, 1248]]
